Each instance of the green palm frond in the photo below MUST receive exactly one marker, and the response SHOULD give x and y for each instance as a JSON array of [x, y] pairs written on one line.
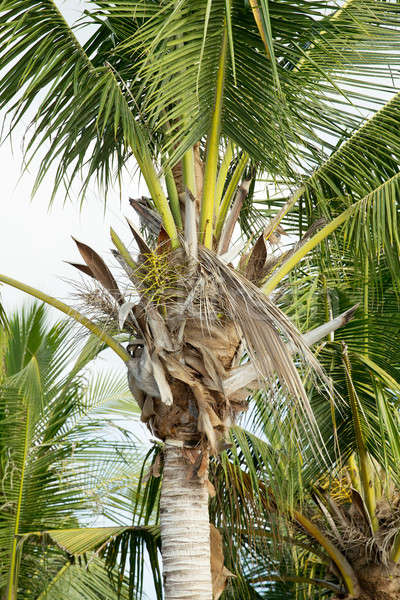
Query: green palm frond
[[271, 472], [280, 87], [86, 122], [368, 230], [365, 161], [78, 95], [124, 545], [90, 581], [371, 338], [60, 462], [122, 548], [146, 79]]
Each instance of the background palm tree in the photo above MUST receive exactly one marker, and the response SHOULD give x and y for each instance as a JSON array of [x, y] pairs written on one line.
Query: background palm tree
[[61, 462], [212, 93], [320, 527]]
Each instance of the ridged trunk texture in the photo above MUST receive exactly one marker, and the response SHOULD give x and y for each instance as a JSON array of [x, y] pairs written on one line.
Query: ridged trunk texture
[[185, 531]]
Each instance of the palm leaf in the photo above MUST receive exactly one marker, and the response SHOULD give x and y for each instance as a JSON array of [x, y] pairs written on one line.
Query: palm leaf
[[54, 467], [86, 120], [91, 581]]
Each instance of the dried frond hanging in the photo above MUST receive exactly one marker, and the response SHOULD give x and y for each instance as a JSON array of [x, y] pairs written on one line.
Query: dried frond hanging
[[188, 319], [265, 328]]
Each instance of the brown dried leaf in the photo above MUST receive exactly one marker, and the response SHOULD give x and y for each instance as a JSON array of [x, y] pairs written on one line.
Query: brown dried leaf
[[211, 489], [202, 469], [207, 418], [84, 268], [191, 455], [359, 504], [99, 269], [156, 466], [221, 341], [214, 368], [161, 380], [177, 370], [219, 572], [214, 419], [161, 336], [163, 242], [193, 360], [256, 261], [143, 247], [148, 217]]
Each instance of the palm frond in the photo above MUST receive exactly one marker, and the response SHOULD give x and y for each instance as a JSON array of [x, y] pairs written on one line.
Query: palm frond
[[115, 544], [91, 581], [176, 47], [82, 109], [87, 122], [55, 469], [365, 161]]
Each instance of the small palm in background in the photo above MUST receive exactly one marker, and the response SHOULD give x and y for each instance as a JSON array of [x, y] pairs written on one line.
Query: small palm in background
[[62, 464], [322, 529]]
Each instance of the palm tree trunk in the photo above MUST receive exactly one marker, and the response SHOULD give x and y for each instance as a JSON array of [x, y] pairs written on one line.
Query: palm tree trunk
[[185, 531]]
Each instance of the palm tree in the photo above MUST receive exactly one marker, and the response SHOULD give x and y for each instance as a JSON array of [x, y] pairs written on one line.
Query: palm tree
[[61, 464], [323, 528], [206, 96]]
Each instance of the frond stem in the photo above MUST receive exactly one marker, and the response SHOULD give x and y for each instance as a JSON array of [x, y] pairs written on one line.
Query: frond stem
[[366, 478], [274, 223], [189, 175], [395, 553], [354, 474], [173, 197], [13, 576], [70, 312], [60, 573], [157, 193], [208, 201], [366, 302], [298, 579], [287, 266], [346, 570], [122, 249], [229, 194]]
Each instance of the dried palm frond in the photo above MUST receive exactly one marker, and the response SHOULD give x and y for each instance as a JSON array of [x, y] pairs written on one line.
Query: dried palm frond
[[265, 328], [190, 317]]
